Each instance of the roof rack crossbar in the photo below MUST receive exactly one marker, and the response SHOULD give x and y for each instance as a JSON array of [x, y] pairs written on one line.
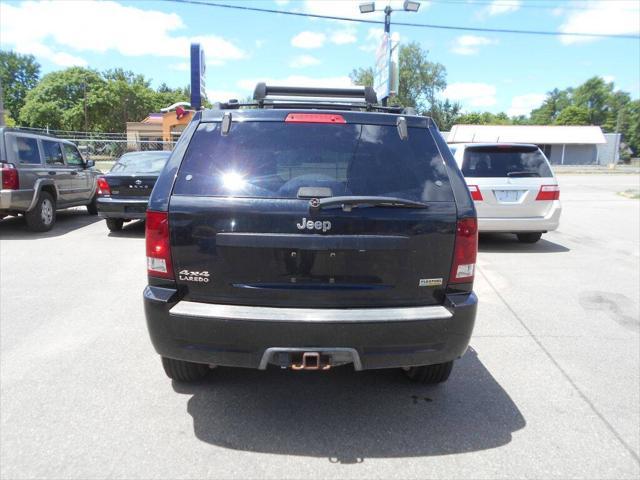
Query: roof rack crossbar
[[263, 91]]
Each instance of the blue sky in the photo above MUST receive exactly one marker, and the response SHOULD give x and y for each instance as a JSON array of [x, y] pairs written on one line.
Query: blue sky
[[485, 71]]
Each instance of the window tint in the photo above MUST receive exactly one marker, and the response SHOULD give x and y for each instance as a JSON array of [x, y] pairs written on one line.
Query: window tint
[[72, 155], [152, 162], [52, 152], [505, 161], [275, 160], [23, 149]]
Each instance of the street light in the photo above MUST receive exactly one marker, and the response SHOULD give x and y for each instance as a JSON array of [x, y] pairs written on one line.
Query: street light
[[408, 6], [367, 7]]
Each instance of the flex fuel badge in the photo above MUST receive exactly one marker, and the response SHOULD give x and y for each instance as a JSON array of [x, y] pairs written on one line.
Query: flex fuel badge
[[430, 282]]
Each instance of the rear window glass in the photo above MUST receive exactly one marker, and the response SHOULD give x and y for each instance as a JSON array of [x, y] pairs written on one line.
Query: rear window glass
[[151, 162], [276, 159], [24, 149], [505, 161], [52, 152]]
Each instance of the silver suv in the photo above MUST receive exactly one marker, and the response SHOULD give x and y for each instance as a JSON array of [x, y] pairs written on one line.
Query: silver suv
[[41, 173]]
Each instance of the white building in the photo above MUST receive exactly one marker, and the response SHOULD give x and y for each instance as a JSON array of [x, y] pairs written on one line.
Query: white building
[[565, 145]]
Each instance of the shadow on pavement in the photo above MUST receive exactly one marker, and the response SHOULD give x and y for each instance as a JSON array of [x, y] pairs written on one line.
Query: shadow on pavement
[[15, 228], [348, 416], [506, 242], [133, 229]]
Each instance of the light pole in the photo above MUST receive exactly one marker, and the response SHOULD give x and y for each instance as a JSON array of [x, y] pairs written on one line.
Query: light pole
[[407, 6]]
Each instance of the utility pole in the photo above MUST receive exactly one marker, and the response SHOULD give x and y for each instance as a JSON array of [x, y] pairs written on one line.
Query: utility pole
[[84, 90], [1, 106], [616, 151]]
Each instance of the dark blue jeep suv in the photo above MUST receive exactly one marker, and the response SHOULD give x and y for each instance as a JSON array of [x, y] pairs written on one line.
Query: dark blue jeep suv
[[310, 229]]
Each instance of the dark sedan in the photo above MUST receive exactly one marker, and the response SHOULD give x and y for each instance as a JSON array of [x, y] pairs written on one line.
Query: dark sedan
[[123, 193]]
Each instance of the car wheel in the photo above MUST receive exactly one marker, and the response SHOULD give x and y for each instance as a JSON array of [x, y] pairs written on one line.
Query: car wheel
[[532, 237], [92, 207], [182, 371], [115, 224], [430, 374], [42, 217]]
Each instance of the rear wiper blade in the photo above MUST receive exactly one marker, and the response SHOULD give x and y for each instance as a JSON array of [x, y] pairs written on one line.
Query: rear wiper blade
[[348, 202], [523, 174]]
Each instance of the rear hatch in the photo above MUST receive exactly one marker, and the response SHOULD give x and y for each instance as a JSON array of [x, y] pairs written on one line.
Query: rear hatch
[[508, 178], [245, 229]]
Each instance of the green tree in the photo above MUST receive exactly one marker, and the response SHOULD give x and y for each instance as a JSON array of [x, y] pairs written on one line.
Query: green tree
[[18, 75], [573, 115], [594, 96], [61, 99], [129, 96], [420, 79], [548, 112], [445, 114]]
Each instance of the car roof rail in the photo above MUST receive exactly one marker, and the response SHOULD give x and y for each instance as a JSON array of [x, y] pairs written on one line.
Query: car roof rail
[[365, 95]]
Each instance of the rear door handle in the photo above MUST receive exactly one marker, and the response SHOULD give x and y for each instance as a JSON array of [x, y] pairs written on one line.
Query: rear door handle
[[74, 173], [51, 173]]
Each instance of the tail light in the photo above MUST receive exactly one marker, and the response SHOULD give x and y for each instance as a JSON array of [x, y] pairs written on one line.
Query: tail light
[[158, 247], [10, 180], [549, 192], [465, 251], [103, 187], [475, 192], [314, 118]]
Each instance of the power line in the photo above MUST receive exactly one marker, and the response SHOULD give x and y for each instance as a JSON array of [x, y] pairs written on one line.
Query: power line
[[405, 24]]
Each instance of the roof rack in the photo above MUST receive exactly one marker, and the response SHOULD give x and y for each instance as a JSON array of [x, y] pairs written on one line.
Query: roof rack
[[365, 95]]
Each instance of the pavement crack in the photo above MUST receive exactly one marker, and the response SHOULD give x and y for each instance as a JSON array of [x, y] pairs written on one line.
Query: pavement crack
[[584, 397]]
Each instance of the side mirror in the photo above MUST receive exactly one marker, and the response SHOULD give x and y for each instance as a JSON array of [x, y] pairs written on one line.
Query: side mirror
[[90, 164]]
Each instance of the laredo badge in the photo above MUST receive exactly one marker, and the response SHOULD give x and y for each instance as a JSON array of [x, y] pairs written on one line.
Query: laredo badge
[[430, 282], [189, 276]]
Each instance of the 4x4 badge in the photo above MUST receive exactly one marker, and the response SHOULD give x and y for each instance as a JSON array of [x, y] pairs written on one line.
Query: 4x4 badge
[[189, 276]]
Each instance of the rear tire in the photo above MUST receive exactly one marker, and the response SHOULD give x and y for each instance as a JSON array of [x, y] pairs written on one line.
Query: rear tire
[[42, 217], [532, 237], [182, 371], [92, 207], [115, 224], [430, 374]]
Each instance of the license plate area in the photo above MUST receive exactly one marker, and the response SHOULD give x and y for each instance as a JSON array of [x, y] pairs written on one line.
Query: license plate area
[[508, 196], [134, 209]]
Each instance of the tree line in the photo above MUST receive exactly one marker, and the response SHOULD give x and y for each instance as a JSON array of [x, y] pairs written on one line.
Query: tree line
[[79, 98]]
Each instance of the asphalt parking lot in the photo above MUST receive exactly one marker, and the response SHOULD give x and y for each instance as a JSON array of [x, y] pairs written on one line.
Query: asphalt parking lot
[[549, 389]]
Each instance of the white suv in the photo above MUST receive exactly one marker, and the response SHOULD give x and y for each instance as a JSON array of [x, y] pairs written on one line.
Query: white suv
[[513, 188]]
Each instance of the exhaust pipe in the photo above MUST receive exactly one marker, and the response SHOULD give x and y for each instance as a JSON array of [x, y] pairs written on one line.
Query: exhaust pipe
[[311, 361]]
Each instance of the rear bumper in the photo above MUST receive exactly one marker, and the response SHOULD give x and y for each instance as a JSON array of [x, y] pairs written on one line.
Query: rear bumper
[[239, 336], [523, 224], [15, 200], [122, 208]]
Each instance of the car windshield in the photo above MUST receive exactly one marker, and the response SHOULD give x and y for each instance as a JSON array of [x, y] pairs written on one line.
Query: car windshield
[[285, 160], [505, 161], [147, 162]]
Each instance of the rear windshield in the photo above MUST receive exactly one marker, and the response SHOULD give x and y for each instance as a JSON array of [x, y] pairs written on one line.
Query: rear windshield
[[277, 159], [505, 161], [147, 162]]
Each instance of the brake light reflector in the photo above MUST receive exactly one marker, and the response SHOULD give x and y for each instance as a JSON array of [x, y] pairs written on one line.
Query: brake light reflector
[[475, 192], [103, 187], [314, 118], [465, 251], [549, 192], [158, 246], [10, 180]]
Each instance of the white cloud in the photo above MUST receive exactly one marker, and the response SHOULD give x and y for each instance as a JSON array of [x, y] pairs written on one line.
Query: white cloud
[[308, 40], [372, 40], [523, 104], [180, 67], [67, 60], [498, 7], [248, 85], [603, 17], [472, 94], [470, 44], [302, 61], [101, 27], [343, 37]]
